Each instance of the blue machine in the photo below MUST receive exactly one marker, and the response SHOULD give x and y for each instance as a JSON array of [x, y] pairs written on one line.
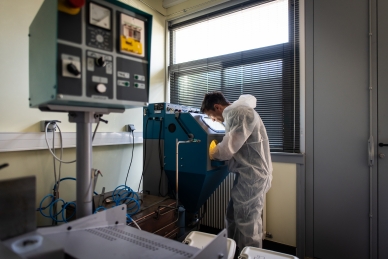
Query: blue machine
[[164, 125]]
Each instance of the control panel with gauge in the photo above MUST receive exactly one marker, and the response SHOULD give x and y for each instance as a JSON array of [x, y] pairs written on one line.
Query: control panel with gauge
[[89, 53]]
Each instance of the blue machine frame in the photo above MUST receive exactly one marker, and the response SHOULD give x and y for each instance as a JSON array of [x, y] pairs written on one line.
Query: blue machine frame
[[198, 176]]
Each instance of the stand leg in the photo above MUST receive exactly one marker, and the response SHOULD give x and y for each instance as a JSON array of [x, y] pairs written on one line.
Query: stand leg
[[84, 188]]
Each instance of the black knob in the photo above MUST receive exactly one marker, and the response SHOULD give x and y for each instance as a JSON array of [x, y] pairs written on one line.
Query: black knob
[[383, 145], [100, 61], [73, 69]]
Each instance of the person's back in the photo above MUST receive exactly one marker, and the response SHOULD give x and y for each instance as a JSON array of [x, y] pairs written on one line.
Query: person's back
[[255, 150]]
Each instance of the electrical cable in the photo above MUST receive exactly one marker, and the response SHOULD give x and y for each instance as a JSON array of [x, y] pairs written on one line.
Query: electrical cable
[[40, 209], [49, 148], [60, 136], [56, 194], [52, 214], [55, 170], [98, 209], [54, 222], [124, 194], [63, 179], [68, 178], [64, 209], [161, 158], [144, 153], [130, 220], [133, 148]]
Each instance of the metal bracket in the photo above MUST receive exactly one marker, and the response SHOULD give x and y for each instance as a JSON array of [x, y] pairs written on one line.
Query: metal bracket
[[217, 249]]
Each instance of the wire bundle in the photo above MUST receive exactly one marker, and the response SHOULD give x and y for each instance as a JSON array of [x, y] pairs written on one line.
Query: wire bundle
[[124, 194], [53, 215], [51, 206]]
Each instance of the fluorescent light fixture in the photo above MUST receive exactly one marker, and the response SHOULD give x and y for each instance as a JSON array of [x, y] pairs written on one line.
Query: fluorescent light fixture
[[169, 3]]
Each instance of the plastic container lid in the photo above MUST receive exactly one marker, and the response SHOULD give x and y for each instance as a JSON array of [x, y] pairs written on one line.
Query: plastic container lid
[[27, 244], [250, 252]]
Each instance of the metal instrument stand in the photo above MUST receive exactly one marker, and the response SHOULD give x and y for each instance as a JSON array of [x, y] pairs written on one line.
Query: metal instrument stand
[[83, 117]]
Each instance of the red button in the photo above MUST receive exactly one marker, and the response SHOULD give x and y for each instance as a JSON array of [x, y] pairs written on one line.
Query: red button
[[76, 3]]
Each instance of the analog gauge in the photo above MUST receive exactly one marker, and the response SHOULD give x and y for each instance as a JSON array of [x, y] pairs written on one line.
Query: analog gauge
[[99, 16]]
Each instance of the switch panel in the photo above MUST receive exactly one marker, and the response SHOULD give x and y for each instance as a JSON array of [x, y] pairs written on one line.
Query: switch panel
[[90, 53], [71, 66]]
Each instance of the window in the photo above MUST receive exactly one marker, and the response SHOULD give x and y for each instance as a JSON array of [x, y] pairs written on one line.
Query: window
[[251, 48]]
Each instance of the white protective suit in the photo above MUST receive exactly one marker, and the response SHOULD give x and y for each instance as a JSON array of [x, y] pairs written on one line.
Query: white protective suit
[[246, 146]]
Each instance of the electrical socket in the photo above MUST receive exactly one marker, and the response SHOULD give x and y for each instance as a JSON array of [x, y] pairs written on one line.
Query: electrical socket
[[50, 128], [130, 127]]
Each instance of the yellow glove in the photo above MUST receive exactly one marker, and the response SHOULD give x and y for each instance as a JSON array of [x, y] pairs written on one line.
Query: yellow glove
[[212, 148]]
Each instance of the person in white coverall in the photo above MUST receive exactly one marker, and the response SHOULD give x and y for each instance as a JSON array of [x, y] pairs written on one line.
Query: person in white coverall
[[246, 146]]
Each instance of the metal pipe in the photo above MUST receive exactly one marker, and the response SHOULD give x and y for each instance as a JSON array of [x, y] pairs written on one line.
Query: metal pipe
[[83, 168]]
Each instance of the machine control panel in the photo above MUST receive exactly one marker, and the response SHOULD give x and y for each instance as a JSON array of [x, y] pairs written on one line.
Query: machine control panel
[[94, 53]]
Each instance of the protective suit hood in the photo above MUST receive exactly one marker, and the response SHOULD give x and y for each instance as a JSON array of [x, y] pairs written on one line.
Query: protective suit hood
[[246, 99]]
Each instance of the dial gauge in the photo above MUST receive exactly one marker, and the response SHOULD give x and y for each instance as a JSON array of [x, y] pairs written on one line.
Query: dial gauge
[[99, 16]]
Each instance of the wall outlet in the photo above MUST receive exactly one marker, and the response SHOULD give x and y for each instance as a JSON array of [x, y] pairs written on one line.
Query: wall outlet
[[50, 128], [130, 127]]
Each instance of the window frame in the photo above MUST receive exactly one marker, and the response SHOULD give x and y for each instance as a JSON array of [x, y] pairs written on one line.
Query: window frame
[[293, 43]]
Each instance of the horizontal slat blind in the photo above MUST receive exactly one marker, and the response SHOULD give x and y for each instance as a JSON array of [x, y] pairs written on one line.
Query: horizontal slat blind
[[270, 73]]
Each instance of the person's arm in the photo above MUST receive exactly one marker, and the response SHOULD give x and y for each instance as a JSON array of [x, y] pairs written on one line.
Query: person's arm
[[241, 123]]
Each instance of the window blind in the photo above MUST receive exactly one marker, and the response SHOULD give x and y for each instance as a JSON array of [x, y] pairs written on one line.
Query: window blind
[[270, 73]]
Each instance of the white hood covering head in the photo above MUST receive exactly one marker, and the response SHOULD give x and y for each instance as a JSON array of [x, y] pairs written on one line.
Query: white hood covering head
[[246, 99]]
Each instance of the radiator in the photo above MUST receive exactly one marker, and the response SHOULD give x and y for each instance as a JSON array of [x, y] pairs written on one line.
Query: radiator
[[217, 204]]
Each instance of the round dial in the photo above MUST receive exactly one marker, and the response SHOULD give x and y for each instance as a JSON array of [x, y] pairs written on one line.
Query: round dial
[[99, 16], [99, 38]]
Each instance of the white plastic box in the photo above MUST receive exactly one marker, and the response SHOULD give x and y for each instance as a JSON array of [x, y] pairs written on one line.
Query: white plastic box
[[200, 240], [250, 252]]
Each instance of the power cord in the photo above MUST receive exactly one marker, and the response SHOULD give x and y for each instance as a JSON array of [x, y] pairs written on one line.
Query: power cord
[[133, 148], [60, 136], [161, 158], [144, 153]]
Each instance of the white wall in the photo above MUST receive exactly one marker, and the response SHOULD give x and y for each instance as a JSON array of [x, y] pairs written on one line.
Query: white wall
[[281, 205], [16, 116]]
